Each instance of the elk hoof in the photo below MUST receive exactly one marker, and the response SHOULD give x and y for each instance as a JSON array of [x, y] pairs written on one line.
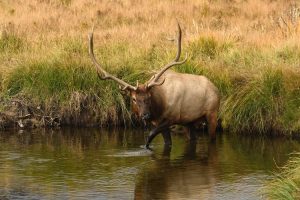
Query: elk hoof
[[148, 147]]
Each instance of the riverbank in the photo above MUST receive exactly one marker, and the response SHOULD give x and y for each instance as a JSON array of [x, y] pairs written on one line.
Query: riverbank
[[256, 97], [47, 78]]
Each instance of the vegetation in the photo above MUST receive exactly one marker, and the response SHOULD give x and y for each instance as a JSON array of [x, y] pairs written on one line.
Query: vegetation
[[249, 49], [286, 184]]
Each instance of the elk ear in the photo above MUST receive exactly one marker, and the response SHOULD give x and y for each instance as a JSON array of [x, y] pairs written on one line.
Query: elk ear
[[125, 92], [149, 94]]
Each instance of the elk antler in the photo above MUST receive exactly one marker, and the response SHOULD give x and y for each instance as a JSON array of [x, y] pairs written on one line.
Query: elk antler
[[153, 81], [100, 70]]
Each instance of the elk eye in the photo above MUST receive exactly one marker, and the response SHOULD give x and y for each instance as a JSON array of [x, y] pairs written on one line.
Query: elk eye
[[134, 100]]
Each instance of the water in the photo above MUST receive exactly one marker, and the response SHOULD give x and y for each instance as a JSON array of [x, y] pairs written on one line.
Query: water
[[97, 164]]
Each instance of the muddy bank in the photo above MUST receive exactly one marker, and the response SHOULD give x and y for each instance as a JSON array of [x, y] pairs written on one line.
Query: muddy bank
[[21, 113]]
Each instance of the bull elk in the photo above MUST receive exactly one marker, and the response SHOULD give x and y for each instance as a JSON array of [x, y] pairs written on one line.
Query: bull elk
[[170, 98]]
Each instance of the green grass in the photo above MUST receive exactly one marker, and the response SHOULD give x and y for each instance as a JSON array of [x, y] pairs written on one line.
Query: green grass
[[259, 86], [285, 184], [257, 105]]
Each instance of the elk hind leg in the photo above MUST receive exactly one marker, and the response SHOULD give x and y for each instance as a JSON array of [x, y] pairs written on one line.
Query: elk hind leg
[[192, 132], [212, 119], [167, 137]]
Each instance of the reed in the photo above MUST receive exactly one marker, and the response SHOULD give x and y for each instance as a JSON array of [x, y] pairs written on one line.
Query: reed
[[285, 184]]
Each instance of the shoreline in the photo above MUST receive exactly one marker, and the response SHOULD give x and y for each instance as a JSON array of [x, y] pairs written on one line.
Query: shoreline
[[21, 115]]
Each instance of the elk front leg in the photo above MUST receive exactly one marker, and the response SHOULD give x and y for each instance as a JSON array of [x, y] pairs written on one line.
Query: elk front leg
[[160, 128]]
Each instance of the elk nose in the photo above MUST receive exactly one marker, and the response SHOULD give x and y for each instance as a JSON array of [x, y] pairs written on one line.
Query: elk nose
[[146, 116]]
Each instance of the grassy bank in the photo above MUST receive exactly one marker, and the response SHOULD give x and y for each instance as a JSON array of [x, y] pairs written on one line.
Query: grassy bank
[[250, 50], [286, 183]]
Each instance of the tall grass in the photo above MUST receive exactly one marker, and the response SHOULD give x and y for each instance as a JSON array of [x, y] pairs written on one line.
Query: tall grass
[[253, 60], [10, 43], [255, 97], [285, 184]]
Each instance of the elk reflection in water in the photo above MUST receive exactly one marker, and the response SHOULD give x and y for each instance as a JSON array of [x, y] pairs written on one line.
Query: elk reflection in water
[[188, 175]]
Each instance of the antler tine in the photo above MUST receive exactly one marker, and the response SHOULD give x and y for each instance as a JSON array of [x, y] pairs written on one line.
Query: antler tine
[[101, 71], [153, 80], [178, 42]]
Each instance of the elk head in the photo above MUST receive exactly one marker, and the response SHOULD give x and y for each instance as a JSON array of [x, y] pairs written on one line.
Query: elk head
[[140, 94]]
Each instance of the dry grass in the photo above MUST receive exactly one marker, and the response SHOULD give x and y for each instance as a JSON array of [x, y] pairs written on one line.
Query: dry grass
[[42, 25], [144, 22]]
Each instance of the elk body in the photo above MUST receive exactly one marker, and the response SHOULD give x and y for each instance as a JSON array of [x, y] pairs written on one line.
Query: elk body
[[170, 98]]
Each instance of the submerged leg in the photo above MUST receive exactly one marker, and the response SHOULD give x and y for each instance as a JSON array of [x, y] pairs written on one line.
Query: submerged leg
[[167, 137], [212, 119], [190, 150], [160, 128], [167, 151], [192, 131]]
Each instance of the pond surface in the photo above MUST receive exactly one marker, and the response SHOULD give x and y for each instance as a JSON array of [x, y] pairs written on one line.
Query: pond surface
[[98, 164]]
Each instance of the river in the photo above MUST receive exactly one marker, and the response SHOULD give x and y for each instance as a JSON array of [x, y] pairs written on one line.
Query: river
[[111, 164]]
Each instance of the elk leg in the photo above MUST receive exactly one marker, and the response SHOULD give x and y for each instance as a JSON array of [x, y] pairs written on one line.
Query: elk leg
[[190, 150], [155, 132], [167, 137], [192, 132], [212, 124], [167, 151]]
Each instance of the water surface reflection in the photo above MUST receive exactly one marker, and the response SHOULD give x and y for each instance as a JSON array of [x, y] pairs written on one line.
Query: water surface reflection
[[97, 164]]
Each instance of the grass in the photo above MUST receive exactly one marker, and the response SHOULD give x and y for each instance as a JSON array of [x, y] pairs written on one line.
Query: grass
[[256, 97], [285, 184], [253, 60], [10, 43]]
